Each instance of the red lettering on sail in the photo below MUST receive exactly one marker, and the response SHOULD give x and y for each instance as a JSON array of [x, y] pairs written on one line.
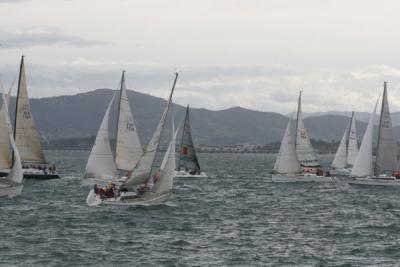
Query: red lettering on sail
[[185, 150]]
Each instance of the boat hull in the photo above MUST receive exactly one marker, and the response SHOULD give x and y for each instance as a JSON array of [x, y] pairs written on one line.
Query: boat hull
[[375, 181], [299, 178], [153, 199], [36, 174], [340, 172], [184, 174]]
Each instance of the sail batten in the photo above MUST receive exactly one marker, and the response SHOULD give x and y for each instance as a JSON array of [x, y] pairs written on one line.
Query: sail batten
[[128, 147], [187, 156], [25, 132]]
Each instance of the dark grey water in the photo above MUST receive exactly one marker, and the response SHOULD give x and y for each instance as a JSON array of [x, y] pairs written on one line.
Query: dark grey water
[[234, 218]]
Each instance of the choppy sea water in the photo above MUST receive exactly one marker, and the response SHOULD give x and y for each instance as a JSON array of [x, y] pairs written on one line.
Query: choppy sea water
[[236, 217]]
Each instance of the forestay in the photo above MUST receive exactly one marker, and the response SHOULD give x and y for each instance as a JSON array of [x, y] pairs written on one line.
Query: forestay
[[286, 160], [25, 133], [128, 148], [187, 156], [386, 157], [100, 163], [363, 163], [305, 152]]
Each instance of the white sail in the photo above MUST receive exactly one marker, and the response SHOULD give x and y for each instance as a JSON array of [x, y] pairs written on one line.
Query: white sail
[[5, 144], [26, 135], [386, 156], [363, 163], [142, 171], [340, 160], [352, 143], [100, 163], [286, 160], [305, 152], [128, 148], [167, 168], [16, 174]]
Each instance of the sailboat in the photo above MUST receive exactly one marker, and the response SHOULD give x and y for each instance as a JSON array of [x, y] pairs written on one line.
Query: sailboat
[[305, 152], [12, 184], [145, 185], [103, 165], [385, 170], [295, 145], [188, 164], [347, 150], [35, 165]]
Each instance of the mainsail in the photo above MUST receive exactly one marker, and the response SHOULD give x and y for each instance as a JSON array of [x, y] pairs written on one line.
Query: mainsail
[[5, 144], [128, 148], [340, 160], [305, 152], [386, 156], [16, 174], [352, 143], [101, 161], [25, 133], [286, 160], [187, 156], [363, 163], [143, 169]]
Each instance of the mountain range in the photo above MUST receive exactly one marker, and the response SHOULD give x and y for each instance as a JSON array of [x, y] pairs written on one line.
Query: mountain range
[[79, 116]]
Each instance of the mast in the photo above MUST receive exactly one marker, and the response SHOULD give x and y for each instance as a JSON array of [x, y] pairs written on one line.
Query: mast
[[118, 113], [348, 134], [183, 133], [379, 127], [297, 118], [169, 102], [16, 103]]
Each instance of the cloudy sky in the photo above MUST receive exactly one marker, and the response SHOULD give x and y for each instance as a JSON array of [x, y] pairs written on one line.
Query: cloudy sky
[[252, 53]]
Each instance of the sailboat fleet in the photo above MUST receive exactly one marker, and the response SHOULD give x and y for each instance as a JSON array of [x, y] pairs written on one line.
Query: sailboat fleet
[[296, 160], [127, 174]]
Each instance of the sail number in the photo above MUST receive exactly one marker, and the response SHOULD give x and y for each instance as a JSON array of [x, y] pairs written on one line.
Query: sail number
[[26, 114], [130, 127]]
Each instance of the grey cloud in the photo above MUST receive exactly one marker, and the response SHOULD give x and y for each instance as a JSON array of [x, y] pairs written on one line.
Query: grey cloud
[[41, 37]]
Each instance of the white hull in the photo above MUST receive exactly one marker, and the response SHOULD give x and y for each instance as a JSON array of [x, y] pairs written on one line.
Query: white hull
[[299, 178], [376, 181], [185, 174], [95, 200], [8, 189]]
